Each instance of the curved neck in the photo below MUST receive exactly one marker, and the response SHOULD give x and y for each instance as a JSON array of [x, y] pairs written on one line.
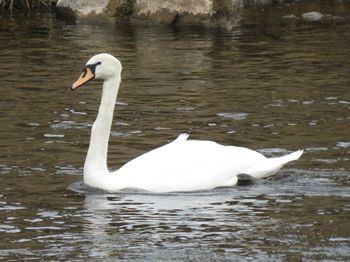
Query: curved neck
[[96, 159]]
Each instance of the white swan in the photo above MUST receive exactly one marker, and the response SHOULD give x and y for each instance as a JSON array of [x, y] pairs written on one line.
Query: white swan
[[181, 165]]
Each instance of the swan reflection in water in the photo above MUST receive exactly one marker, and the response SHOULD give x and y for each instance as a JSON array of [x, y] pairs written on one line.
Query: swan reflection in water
[[114, 223]]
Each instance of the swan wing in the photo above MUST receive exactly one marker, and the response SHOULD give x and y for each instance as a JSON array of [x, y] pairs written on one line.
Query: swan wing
[[186, 165]]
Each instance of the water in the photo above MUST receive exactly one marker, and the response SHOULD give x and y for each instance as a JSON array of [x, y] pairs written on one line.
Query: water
[[273, 87]]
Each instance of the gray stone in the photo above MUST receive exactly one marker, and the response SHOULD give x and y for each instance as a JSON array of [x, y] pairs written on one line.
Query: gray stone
[[84, 7], [171, 11], [84, 10], [185, 12], [291, 16], [168, 12], [199, 7], [312, 16]]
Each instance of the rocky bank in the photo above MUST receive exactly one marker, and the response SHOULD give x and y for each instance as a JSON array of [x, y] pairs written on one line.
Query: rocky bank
[[167, 12], [208, 13]]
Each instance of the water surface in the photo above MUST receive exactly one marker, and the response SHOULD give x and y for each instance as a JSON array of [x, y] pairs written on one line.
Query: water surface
[[274, 88]]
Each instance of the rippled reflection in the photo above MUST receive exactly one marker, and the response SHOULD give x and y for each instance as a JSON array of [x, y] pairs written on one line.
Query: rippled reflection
[[219, 223]]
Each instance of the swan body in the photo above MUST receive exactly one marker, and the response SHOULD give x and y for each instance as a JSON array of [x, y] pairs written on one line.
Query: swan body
[[181, 165]]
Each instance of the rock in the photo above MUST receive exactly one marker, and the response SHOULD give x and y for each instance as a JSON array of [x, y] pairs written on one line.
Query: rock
[[185, 12], [291, 16], [121, 9], [82, 9], [168, 12], [312, 16], [171, 11], [149, 8]]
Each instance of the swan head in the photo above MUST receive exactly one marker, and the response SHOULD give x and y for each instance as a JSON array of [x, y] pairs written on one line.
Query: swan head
[[102, 66]]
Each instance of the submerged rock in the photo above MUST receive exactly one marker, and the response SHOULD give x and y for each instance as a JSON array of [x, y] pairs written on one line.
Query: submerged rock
[[291, 16], [312, 16]]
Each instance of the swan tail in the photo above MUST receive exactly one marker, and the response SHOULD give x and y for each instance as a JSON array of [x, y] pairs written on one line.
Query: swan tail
[[272, 165], [290, 157], [182, 137]]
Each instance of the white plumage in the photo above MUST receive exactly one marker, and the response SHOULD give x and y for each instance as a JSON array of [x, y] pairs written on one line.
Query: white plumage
[[182, 165]]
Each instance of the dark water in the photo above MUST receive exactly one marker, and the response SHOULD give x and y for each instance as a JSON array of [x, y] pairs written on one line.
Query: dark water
[[271, 86]]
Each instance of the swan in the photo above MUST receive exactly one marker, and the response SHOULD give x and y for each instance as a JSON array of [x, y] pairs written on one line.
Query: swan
[[181, 165]]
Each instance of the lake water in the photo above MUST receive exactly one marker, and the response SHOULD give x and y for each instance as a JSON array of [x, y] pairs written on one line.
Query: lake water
[[270, 85]]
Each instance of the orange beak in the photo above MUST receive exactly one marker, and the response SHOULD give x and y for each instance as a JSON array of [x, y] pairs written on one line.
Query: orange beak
[[85, 77]]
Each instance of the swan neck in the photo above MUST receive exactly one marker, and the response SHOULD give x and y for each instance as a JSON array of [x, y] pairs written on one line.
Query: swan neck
[[96, 159]]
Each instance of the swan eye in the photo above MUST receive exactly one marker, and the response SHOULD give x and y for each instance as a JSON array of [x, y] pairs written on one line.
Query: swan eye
[[92, 68]]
